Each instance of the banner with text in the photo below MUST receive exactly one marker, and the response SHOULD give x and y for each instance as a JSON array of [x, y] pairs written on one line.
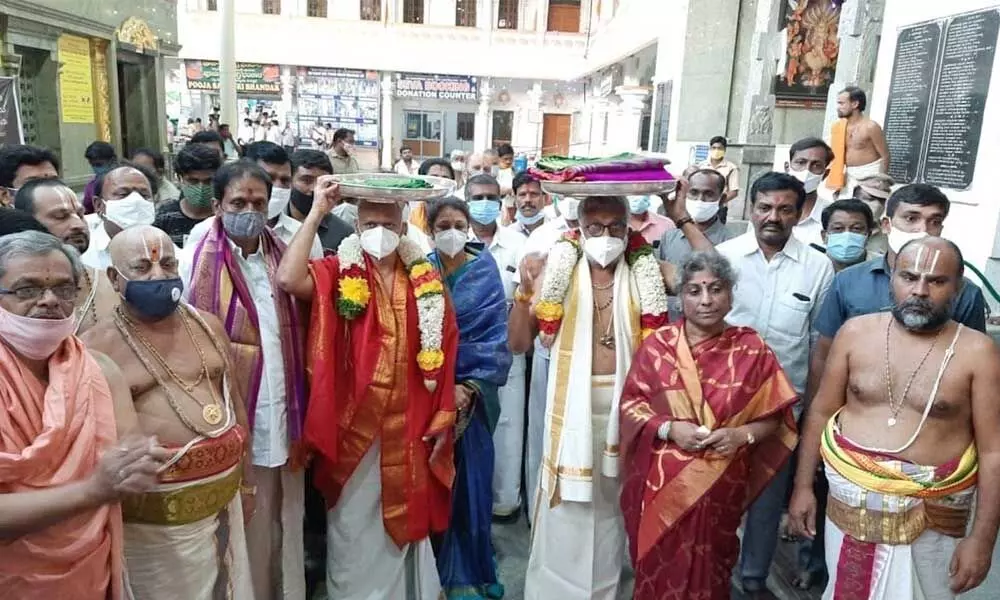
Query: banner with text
[[437, 87], [252, 79], [10, 116]]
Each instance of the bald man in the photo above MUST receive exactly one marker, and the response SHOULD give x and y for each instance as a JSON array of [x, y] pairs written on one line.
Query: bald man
[[56, 207], [185, 537], [905, 413], [124, 199]]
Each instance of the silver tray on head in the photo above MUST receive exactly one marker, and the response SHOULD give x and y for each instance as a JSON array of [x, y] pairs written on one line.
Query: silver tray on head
[[608, 188], [353, 186]]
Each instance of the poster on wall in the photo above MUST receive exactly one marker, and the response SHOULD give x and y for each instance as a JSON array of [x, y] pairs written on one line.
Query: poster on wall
[[437, 87], [811, 49], [341, 97], [937, 96], [252, 79], [76, 84], [10, 113]]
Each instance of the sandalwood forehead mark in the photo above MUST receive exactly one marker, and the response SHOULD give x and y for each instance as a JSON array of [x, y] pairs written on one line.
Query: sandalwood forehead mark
[[153, 254]]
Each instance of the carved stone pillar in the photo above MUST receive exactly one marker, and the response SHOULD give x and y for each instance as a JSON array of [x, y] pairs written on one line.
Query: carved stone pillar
[[102, 95], [756, 123], [859, 31]]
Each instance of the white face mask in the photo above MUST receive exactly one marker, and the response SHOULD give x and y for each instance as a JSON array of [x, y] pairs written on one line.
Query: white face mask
[[346, 212], [604, 250], [809, 179], [279, 200], [457, 166], [451, 241], [898, 238], [379, 242], [700, 211], [130, 211], [570, 208]]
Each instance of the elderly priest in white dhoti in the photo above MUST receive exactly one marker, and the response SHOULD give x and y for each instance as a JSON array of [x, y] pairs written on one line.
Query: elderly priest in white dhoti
[[602, 291]]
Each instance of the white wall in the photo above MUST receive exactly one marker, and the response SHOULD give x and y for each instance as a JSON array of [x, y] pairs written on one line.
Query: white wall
[[972, 222]]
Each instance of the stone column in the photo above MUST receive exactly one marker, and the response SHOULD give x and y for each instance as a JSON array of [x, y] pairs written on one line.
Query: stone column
[[859, 31], [481, 128], [628, 131], [287, 100], [599, 108], [756, 122], [530, 140], [229, 111], [385, 120]]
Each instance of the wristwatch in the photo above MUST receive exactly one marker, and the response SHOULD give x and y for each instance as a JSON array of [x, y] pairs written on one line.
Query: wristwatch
[[521, 297], [663, 432], [683, 221]]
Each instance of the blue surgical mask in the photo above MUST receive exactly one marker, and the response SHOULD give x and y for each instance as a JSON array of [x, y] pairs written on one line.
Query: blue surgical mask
[[638, 205], [523, 220], [845, 246], [484, 212], [154, 299]]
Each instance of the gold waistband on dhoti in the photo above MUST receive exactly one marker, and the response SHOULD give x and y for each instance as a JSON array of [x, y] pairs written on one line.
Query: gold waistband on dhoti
[[184, 504], [896, 528], [206, 458]]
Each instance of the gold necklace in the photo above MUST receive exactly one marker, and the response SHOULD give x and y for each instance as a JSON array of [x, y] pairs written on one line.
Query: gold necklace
[[212, 413], [894, 409]]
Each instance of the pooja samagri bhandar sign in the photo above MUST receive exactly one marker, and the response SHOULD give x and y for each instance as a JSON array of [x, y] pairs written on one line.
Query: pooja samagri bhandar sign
[[251, 79], [436, 87]]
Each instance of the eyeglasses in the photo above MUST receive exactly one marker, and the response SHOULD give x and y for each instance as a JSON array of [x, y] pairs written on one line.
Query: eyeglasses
[[63, 291], [615, 229]]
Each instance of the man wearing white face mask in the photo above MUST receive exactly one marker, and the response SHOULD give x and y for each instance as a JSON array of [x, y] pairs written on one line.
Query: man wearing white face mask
[[809, 162], [705, 194], [578, 538], [383, 368], [124, 197]]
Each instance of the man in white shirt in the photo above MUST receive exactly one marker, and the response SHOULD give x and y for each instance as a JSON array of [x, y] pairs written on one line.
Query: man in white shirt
[[781, 285], [232, 275], [482, 193], [273, 134], [123, 198], [406, 165], [809, 161]]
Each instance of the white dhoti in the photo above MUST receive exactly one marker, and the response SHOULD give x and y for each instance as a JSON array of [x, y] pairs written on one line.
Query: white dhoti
[[508, 439], [275, 535], [852, 175], [534, 447], [880, 569], [363, 562], [578, 548]]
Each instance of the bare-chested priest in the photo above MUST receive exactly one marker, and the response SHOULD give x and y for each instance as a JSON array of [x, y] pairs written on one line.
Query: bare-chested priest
[[66, 453], [185, 537], [55, 205], [858, 143], [905, 420]]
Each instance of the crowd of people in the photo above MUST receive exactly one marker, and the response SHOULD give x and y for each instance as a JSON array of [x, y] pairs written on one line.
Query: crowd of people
[[243, 384]]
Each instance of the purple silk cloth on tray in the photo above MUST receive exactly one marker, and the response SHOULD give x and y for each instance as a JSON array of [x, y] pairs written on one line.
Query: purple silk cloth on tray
[[644, 175], [626, 166]]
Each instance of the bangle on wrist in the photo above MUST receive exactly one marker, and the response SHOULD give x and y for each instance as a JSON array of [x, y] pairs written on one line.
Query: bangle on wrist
[[521, 297], [664, 431], [683, 221]]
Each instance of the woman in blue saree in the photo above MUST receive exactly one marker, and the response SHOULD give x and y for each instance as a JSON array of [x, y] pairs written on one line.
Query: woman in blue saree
[[465, 557]]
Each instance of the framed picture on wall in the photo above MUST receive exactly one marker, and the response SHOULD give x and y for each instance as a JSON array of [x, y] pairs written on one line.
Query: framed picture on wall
[[811, 50]]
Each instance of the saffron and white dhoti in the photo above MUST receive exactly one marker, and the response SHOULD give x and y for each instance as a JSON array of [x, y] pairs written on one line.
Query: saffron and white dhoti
[[363, 562], [854, 174], [578, 548], [185, 538], [508, 439], [882, 545]]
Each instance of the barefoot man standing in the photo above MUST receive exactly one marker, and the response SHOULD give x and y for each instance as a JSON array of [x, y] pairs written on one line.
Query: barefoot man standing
[[185, 537], [858, 144], [906, 420]]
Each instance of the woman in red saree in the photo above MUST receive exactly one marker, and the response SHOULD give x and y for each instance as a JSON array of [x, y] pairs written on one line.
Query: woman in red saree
[[706, 423]]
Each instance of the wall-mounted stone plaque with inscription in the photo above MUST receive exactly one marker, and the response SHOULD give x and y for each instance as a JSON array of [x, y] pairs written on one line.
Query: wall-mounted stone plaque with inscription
[[963, 80], [909, 98], [940, 79]]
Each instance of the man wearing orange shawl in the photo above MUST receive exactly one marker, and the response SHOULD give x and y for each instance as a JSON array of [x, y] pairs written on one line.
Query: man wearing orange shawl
[[61, 470], [382, 345], [706, 423]]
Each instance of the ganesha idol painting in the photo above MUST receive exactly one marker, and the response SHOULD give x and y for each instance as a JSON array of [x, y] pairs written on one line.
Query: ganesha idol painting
[[811, 50]]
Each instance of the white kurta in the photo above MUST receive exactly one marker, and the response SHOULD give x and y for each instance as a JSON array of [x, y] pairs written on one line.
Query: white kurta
[[363, 563]]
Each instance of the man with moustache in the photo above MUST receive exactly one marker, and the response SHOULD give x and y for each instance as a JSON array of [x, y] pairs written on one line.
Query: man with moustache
[[20, 164], [858, 143], [904, 468], [184, 538], [55, 205], [382, 400], [69, 447], [781, 284], [124, 198], [231, 273]]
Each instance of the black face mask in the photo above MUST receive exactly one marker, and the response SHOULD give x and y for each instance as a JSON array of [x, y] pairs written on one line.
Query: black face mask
[[302, 202]]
